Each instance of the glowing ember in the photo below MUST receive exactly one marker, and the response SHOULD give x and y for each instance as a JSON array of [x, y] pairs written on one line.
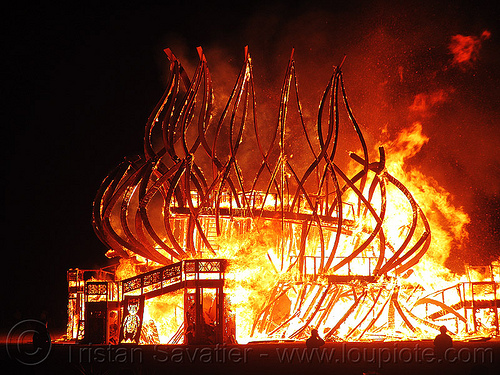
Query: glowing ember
[[313, 239]]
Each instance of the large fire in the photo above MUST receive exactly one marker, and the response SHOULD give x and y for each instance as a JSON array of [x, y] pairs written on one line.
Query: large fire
[[315, 235]]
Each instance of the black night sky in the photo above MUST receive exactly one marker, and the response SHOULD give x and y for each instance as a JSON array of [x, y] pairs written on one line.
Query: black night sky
[[81, 79]]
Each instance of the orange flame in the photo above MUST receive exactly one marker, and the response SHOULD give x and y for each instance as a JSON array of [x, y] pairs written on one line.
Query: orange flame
[[335, 258], [448, 222]]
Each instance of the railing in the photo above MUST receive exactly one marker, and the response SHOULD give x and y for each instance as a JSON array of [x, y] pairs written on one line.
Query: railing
[[172, 276], [464, 300]]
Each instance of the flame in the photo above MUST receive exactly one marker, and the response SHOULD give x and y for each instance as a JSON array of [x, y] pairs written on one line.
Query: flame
[[255, 270], [251, 273], [350, 256], [447, 221], [166, 313]]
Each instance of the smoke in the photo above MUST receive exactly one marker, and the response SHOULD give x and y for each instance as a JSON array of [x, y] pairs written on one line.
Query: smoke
[[424, 103], [465, 49]]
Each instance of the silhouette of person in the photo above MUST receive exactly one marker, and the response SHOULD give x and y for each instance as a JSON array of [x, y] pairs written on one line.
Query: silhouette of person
[[442, 342], [41, 337], [314, 341]]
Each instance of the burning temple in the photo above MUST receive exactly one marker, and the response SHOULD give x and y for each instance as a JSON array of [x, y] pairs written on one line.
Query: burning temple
[[229, 230]]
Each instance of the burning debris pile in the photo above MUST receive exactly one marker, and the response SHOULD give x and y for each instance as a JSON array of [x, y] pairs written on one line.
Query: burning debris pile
[[311, 239]]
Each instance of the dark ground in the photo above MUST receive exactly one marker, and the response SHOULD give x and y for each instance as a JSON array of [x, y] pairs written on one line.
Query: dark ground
[[258, 358]]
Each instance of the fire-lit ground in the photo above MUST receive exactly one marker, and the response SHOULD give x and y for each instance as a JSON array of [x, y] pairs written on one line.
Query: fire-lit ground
[[409, 357]]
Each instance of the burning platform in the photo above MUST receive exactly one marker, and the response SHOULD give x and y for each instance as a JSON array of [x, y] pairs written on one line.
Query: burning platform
[[228, 231]]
